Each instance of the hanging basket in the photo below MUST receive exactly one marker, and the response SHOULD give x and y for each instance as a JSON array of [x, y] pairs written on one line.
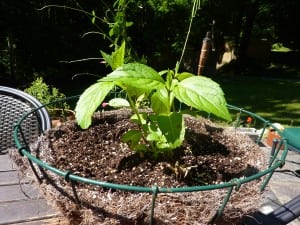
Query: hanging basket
[[159, 197]]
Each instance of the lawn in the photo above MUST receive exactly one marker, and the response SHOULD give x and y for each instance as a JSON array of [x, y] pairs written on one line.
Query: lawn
[[277, 100]]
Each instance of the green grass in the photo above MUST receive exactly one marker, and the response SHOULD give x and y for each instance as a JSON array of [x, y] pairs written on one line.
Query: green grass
[[273, 99]]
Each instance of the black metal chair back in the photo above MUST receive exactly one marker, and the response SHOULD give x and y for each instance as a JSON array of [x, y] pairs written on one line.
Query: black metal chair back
[[13, 105]]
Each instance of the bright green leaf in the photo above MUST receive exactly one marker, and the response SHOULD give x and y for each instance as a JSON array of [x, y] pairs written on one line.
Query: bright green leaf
[[107, 58], [160, 102], [169, 79], [153, 136], [163, 72], [118, 103], [172, 127], [133, 91], [184, 75], [129, 24], [137, 76], [118, 56], [111, 32], [140, 99], [204, 94], [94, 17], [132, 137], [142, 119], [116, 59], [89, 101], [163, 146]]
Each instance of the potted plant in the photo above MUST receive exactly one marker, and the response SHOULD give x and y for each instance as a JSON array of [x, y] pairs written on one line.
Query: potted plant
[[163, 129], [158, 149], [160, 131]]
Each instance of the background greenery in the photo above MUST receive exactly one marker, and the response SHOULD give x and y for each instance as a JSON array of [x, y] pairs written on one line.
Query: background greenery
[[45, 43], [277, 100]]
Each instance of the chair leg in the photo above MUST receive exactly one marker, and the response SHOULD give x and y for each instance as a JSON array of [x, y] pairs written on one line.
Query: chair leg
[[280, 216], [289, 211]]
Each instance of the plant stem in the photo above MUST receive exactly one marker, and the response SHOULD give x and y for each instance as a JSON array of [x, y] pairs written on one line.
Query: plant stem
[[196, 6], [70, 8], [136, 111], [81, 11]]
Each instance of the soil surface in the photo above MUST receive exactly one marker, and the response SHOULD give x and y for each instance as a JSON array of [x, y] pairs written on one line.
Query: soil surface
[[210, 155]]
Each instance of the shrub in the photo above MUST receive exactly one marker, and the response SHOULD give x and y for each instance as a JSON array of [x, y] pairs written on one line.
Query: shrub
[[45, 94]]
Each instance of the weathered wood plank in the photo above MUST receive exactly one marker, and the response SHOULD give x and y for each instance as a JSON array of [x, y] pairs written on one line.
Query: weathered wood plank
[[9, 178], [6, 163], [18, 192], [25, 211], [21, 201]]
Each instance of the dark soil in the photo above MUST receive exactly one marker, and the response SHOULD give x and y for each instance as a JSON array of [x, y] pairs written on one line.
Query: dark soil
[[210, 155]]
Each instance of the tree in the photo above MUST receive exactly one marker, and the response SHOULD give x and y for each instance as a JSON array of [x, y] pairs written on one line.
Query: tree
[[38, 40]]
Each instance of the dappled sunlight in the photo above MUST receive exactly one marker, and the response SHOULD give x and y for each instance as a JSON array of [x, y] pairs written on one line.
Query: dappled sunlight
[[275, 100]]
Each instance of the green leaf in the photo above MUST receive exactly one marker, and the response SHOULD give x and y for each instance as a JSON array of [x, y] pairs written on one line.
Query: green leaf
[[136, 75], [129, 24], [118, 103], [118, 56], [204, 94], [172, 127], [143, 117], [160, 102], [94, 17], [116, 59], [140, 148], [169, 79], [184, 75], [132, 137], [163, 72], [108, 58], [140, 99], [89, 101], [153, 136], [111, 32], [134, 91]]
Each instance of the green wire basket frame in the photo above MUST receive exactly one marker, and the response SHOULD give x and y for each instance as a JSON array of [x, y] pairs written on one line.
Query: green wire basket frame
[[274, 163]]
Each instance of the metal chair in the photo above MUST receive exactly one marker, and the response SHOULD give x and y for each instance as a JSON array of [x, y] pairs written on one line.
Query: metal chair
[[292, 135], [282, 215], [13, 105]]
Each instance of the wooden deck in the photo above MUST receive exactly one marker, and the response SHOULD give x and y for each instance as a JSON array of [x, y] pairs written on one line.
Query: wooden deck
[[21, 202]]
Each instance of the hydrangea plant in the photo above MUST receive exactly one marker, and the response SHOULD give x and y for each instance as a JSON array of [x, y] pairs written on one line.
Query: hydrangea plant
[[163, 129]]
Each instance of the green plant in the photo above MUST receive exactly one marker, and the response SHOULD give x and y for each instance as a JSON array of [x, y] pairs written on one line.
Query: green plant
[[278, 47], [45, 94], [163, 129], [115, 19]]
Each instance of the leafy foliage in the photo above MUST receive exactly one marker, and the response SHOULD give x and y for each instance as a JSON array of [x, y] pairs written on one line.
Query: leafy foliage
[[45, 94], [163, 130]]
